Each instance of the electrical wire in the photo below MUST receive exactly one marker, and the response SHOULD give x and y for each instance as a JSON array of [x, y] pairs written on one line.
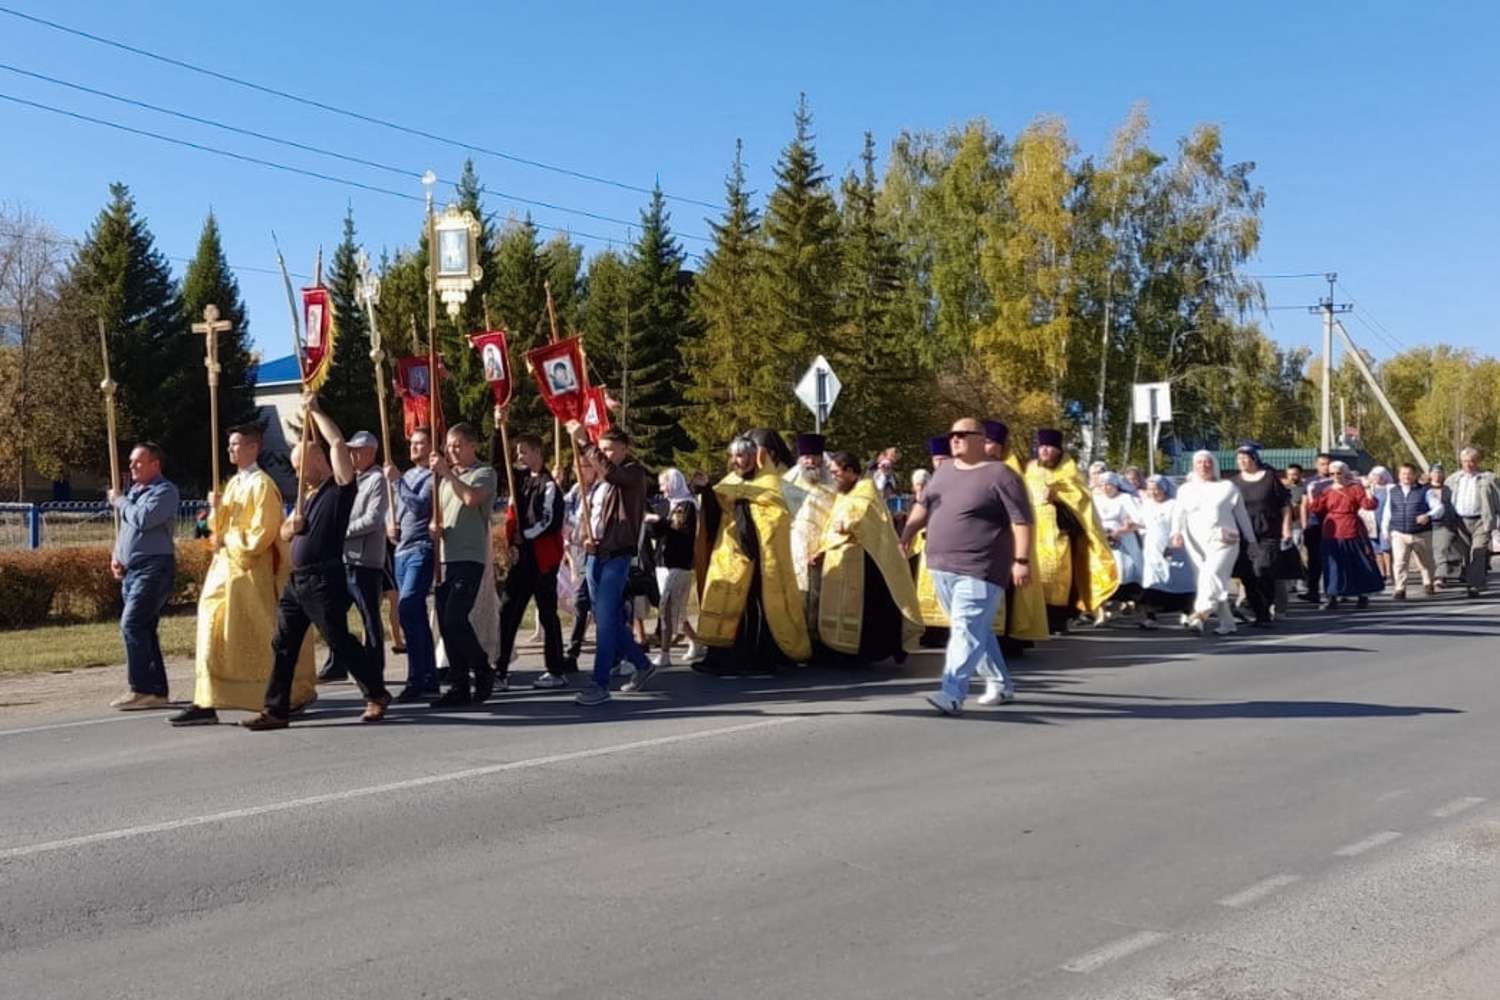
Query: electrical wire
[[67, 241], [347, 113], [305, 147]]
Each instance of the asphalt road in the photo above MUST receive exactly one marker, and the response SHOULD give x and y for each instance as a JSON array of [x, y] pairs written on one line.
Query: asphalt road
[[1312, 812]]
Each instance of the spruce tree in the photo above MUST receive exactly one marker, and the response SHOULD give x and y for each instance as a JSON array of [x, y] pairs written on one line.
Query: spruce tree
[[800, 276], [119, 275], [467, 391], [209, 281], [719, 361], [653, 380], [349, 394], [518, 301], [601, 307]]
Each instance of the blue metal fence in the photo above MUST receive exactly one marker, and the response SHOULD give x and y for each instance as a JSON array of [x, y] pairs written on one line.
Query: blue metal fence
[[86, 522]]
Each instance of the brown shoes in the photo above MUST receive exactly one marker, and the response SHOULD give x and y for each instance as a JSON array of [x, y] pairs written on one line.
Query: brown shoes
[[264, 722], [136, 702], [375, 710]]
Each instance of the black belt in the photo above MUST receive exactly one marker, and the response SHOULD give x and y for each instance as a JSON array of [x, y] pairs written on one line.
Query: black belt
[[327, 566]]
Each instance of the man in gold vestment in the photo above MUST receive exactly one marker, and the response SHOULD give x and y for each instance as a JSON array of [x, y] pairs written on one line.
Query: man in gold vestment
[[237, 608], [1072, 555]]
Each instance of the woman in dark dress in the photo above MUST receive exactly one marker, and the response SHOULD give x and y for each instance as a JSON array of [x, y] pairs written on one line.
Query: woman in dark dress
[[1269, 556], [1348, 560]]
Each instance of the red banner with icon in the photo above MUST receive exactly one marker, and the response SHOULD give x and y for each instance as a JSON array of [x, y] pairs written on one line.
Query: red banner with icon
[[413, 378], [494, 359], [596, 403], [559, 373], [320, 329]]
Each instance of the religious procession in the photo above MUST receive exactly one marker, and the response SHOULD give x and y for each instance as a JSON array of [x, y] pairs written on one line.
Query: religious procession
[[797, 555]]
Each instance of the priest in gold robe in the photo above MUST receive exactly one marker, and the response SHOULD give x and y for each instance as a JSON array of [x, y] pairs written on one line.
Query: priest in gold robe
[[1072, 554], [867, 604], [237, 607], [809, 496], [1025, 608], [752, 616]]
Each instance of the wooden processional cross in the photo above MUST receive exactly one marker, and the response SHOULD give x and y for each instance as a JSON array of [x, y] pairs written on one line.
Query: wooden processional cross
[[211, 327]]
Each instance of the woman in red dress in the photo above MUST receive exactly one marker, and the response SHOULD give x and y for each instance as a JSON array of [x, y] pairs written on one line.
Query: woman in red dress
[[1348, 559]]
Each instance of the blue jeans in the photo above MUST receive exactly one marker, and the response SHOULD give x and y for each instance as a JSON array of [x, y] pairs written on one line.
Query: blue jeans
[[613, 639], [413, 583], [145, 589], [971, 604]]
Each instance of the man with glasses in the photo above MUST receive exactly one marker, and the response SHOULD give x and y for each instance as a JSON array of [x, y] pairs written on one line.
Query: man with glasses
[[978, 522]]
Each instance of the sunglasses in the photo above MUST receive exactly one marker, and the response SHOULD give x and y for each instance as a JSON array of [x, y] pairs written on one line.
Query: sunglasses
[[960, 434]]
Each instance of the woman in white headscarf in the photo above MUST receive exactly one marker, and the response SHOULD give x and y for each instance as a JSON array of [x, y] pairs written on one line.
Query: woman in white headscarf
[[1167, 578], [1210, 520], [675, 533], [1120, 516], [1378, 485]]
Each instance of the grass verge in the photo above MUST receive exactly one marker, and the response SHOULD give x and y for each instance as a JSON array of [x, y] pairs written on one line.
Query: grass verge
[[88, 644]]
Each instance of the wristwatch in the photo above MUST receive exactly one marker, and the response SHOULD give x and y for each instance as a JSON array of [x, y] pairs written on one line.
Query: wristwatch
[[1022, 560]]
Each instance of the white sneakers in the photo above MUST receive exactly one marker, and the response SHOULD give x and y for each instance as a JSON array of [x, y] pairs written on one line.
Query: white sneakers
[[994, 694], [945, 704]]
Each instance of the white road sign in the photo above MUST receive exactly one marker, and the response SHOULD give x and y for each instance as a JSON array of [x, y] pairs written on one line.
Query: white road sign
[[819, 389]]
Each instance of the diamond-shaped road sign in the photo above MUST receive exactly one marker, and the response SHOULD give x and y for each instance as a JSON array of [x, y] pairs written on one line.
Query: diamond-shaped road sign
[[819, 389]]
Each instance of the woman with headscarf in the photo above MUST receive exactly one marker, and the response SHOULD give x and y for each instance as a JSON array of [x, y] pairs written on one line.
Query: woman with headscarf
[[1167, 579], [675, 533], [1120, 516], [1209, 521], [1267, 555], [1378, 485], [1348, 560]]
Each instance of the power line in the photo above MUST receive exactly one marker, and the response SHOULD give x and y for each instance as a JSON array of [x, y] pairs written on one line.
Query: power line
[[358, 116], [272, 164], [67, 241], [305, 147], [1374, 324]]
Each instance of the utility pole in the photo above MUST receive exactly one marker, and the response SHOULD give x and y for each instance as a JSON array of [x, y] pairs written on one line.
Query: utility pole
[[1329, 309]]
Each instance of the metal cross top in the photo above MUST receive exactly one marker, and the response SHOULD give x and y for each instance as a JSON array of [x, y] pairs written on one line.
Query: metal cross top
[[368, 291]]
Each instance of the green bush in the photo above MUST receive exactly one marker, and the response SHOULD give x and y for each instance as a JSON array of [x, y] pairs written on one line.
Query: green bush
[[75, 583]]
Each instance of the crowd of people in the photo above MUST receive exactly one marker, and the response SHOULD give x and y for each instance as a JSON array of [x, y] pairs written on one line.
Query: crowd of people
[[795, 556]]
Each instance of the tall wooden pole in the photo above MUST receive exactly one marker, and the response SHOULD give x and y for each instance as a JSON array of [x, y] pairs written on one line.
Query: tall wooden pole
[[369, 294], [434, 383], [297, 352], [108, 388], [556, 423], [211, 327]]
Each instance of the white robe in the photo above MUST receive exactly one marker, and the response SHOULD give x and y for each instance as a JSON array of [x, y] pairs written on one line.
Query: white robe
[[1113, 513], [1164, 568], [1211, 518]]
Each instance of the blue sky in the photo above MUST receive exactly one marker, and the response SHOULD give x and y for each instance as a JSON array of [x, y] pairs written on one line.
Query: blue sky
[[1374, 126]]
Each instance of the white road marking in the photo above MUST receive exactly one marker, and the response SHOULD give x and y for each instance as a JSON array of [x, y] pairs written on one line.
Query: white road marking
[[1393, 794], [1115, 950], [132, 717], [1456, 806], [1369, 843], [127, 833], [1260, 890]]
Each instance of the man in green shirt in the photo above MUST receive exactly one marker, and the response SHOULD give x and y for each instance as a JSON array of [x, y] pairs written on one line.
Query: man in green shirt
[[467, 491]]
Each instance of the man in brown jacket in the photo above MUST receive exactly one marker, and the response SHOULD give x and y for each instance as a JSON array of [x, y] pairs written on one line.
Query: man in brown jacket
[[616, 507]]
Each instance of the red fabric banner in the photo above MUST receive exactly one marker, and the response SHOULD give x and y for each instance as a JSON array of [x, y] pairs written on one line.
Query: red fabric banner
[[414, 387], [559, 373], [318, 322], [596, 411], [494, 355]]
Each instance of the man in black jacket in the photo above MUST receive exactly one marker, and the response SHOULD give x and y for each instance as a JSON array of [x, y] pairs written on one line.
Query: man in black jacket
[[537, 536]]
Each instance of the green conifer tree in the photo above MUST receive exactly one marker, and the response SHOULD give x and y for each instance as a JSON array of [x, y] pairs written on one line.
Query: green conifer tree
[[719, 361], [518, 301], [209, 280], [652, 380], [349, 394], [800, 277]]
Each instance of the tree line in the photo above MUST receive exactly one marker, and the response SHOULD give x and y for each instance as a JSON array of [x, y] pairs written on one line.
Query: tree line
[[1013, 277]]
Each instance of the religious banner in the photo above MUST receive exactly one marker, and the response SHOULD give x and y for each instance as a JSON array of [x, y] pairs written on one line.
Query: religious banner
[[320, 322], [558, 370], [413, 379], [596, 411], [494, 356]]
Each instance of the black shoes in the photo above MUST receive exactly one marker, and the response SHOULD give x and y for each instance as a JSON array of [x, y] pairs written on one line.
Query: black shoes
[[194, 716], [411, 695], [454, 697]]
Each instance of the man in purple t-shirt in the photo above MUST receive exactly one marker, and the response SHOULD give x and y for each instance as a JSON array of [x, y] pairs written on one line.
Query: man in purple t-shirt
[[978, 520]]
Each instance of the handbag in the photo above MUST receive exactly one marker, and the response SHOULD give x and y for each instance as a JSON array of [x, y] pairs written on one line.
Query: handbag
[[640, 579]]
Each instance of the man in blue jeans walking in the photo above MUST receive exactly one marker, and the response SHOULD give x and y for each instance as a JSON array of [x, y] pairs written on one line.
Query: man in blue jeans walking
[[144, 561], [616, 508], [412, 534], [978, 520]]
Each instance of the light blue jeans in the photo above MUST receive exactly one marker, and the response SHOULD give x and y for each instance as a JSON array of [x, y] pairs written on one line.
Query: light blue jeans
[[971, 604]]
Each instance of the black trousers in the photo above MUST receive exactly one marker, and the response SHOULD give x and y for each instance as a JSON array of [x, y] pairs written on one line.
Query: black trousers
[[582, 606], [317, 596], [455, 600], [1312, 540], [523, 584]]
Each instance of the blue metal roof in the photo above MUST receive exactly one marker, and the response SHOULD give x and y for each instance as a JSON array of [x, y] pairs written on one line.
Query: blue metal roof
[[277, 371]]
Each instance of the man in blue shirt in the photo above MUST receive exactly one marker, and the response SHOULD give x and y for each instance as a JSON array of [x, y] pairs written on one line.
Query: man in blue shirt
[[144, 561], [412, 534]]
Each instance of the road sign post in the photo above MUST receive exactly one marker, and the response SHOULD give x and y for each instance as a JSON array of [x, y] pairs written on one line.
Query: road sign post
[[818, 390], [1152, 406]]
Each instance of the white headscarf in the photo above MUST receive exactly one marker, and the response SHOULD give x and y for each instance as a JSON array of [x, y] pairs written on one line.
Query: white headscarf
[[1212, 460], [677, 487]]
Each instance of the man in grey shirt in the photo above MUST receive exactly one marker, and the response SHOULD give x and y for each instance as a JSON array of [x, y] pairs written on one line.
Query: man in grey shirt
[[364, 551], [144, 561], [978, 521]]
